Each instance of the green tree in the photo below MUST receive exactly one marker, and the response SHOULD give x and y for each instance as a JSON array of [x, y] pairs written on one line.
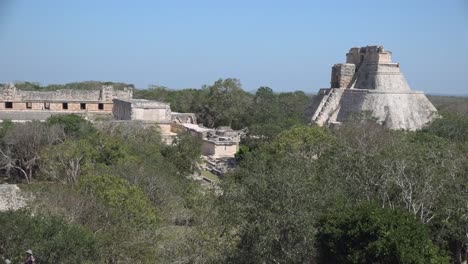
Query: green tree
[[184, 153], [66, 162], [452, 126], [124, 200], [227, 103], [51, 239], [5, 125], [270, 204], [268, 211], [371, 234], [74, 125], [129, 220], [22, 145]]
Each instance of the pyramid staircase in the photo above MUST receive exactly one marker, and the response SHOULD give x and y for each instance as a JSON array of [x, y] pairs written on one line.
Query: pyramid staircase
[[330, 102]]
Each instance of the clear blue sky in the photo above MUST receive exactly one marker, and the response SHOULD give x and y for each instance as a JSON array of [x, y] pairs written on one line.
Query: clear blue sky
[[287, 45]]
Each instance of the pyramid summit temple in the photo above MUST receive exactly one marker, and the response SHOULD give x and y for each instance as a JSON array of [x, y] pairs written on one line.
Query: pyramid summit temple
[[369, 82]]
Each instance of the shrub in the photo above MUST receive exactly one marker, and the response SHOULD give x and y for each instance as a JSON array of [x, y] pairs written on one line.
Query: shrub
[[370, 234], [51, 239], [73, 125]]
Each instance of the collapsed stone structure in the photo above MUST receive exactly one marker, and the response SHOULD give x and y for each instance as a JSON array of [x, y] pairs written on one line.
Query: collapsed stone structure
[[218, 145], [19, 105], [11, 197], [219, 142], [370, 82]]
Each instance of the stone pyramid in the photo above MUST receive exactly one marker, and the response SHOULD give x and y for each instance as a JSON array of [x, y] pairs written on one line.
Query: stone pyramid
[[369, 82]]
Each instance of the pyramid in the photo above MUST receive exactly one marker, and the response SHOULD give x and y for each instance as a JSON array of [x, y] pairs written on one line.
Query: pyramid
[[370, 83]]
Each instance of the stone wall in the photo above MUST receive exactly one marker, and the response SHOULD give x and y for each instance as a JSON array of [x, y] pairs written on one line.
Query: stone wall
[[354, 56], [342, 75], [153, 114], [9, 93], [189, 118], [141, 109], [369, 54], [221, 142], [212, 148], [17, 105], [122, 110], [410, 111], [378, 87], [54, 106], [381, 77]]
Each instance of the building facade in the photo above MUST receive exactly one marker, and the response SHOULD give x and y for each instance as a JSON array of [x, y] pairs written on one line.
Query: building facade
[[20, 105]]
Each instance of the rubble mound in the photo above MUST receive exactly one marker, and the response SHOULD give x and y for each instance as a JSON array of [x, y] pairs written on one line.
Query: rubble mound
[[11, 197]]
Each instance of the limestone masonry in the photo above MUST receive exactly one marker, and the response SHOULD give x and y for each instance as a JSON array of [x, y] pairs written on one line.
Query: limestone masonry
[[370, 82], [218, 145], [19, 105], [11, 197]]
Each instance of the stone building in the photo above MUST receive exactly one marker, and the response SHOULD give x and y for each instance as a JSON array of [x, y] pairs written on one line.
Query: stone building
[[151, 112], [370, 82], [19, 105], [144, 110], [218, 143]]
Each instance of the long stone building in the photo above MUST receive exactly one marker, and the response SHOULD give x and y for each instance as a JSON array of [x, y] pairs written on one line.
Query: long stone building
[[19, 105], [370, 82], [150, 111]]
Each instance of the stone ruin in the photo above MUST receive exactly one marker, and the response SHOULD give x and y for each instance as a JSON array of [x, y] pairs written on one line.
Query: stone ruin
[[19, 105], [219, 145], [369, 82], [11, 197]]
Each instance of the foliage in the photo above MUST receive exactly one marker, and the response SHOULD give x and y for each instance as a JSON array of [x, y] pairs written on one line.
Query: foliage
[[74, 125], [50, 238], [184, 153], [276, 199], [125, 176], [302, 139], [418, 172], [225, 103], [275, 211], [450, 104], [450, 126], [124, 200], [21, 148], [66, 162], [371, 234], [5, 125], [272, 113], [243, 150], [137, 196], [184, 101]]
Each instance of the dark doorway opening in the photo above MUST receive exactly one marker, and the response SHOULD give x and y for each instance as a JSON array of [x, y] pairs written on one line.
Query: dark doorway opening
[[83, 106], [8, 105]]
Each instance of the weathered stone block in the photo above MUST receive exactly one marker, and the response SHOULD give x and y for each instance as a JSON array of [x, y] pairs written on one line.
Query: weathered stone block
[[342, 75]]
